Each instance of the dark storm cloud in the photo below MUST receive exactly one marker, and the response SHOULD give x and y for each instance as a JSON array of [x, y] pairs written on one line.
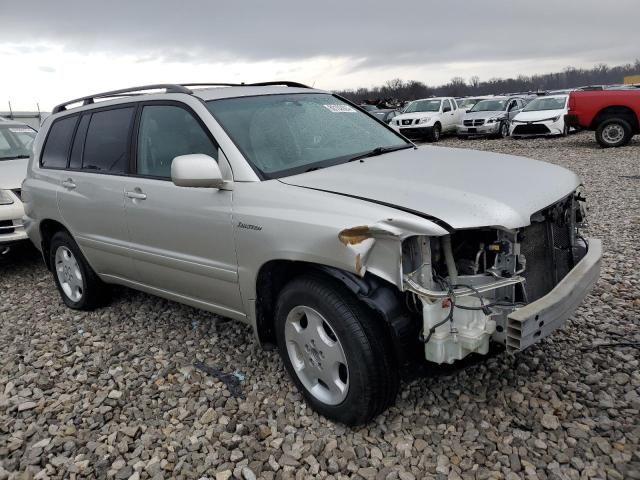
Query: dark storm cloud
[[376, 33]]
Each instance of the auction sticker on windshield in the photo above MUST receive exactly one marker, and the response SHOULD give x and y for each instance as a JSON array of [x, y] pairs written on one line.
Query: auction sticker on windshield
[[339, 108], [21, 130]]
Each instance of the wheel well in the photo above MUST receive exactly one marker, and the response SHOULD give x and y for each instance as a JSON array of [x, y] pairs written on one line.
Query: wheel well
[[616, 111], [48, 229], [382, 299]]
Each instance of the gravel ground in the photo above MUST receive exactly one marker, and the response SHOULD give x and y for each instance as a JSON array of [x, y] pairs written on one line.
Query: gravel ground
[[114, 393]]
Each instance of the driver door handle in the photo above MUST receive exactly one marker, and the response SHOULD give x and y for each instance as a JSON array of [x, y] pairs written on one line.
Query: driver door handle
[[136, 195], [68, 183]]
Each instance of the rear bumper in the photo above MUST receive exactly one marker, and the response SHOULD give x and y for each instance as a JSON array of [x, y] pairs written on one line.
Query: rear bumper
[[539, 319], [572, 120]]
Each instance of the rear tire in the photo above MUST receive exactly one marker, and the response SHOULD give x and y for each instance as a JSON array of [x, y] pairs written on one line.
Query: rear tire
[[435, 133], [335, 351], [614, 132], [79, 286]]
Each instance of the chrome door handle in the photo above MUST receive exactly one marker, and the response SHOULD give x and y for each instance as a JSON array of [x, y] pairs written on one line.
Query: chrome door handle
[[68, 183], [137, 195]]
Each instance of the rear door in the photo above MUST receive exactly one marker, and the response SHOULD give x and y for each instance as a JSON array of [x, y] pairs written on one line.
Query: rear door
[[91, 190], [182, 238]]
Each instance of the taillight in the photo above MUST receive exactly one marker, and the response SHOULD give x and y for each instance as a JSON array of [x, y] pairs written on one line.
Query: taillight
[[572, 102]]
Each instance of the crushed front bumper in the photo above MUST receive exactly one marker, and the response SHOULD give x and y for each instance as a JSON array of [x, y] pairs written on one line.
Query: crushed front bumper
[[529, 324]]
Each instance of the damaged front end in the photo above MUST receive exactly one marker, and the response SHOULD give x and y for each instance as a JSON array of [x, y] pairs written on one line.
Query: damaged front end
[[469, 285]]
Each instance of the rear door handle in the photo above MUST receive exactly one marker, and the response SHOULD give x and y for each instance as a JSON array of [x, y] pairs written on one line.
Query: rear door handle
[[136, 195], [68, 183]]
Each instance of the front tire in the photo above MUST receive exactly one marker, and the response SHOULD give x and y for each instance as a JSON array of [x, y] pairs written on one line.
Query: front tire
[[614, 132], [504, 131], [79, 286], [435, 133], [335, 351]]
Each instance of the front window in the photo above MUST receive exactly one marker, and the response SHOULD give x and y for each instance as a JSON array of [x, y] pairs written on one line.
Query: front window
[[546, 103], [16, 141], [489, 106], [423, 106], [284, 135]]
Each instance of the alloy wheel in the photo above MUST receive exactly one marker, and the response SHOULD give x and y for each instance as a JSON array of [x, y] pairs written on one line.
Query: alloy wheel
[[69, 274], [316, 355]]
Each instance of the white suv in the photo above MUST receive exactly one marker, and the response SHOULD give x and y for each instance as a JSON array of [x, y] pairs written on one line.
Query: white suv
[[429, 118]]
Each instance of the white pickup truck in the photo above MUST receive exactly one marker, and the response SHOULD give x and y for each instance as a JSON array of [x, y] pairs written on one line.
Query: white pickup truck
[[429, 118]]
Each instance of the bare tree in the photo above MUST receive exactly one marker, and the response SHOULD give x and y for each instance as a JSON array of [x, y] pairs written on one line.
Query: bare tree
[[570, 77]]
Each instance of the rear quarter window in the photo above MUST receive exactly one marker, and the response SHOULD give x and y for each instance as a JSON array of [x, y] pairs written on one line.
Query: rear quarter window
[[56, 148], [106, 146]]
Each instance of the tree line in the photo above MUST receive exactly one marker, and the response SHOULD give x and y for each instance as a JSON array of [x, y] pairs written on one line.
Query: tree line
[[570, 77]]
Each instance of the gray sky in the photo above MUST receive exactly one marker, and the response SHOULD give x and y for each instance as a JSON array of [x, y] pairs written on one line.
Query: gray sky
[[52, 50]]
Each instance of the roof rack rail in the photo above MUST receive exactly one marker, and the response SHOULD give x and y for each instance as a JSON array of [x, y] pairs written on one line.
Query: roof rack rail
[[89, 99], [285, 83], [168, 88]]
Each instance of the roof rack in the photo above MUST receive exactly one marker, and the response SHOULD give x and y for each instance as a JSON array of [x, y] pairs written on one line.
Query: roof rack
[[285, 83], [168, 88], [88, 100]]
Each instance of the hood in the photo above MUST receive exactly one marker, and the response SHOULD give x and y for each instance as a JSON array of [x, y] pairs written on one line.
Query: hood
[[415, 115], [462, 188], [485, 115], [12, 173], [539, 115]]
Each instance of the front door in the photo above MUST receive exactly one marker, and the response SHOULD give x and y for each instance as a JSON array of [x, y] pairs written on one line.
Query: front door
[[181, 238]]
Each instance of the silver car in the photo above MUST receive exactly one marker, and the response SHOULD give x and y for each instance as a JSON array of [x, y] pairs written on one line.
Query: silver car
[[490, 117], [358, 254]]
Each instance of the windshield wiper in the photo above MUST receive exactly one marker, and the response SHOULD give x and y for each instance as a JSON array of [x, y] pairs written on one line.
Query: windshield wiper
[[15, 157], [379, 151]]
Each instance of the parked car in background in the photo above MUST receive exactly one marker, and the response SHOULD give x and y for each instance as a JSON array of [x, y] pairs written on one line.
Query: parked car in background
[[368, 107], [16, 141], [468, 102], [428, 118], [358, 254], [613, 114], [385, 114], [490, 117], [542, 116]]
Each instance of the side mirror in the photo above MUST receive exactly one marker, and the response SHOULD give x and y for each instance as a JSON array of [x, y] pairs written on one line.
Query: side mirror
[[196, 170]]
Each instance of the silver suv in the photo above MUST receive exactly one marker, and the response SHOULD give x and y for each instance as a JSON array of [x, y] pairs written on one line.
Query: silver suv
[[357, 253]]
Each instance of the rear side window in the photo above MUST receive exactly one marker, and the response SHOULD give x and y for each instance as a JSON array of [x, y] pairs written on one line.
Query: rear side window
[[106, 147], [56, 148]]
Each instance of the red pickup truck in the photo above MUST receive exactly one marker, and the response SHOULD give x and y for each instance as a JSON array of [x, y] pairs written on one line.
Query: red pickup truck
[[613, 114]]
